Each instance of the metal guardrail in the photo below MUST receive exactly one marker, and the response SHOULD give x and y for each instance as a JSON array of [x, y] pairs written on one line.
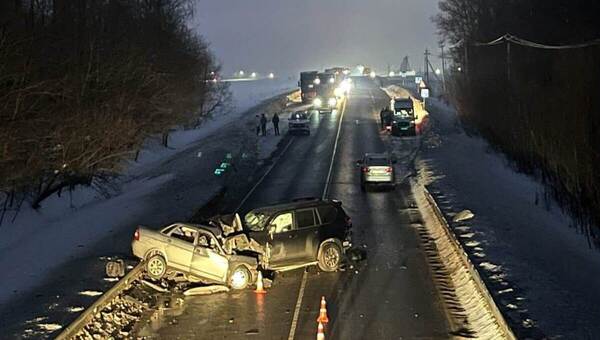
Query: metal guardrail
[[482, 288], [86, 316]]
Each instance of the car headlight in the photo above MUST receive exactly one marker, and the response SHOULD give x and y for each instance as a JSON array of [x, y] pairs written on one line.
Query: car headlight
[[332, 102], [317, 102], [338, 92]]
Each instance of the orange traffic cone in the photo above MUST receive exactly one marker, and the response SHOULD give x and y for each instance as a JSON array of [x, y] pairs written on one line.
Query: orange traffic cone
[[323, 312], [259, 284], [320, 332]]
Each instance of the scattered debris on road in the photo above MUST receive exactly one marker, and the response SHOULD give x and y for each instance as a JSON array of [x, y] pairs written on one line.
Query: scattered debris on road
[[206, 290]]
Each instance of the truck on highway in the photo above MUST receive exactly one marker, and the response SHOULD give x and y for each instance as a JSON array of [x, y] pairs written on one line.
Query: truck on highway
[[307, 84], [326, 100], [403, 120]]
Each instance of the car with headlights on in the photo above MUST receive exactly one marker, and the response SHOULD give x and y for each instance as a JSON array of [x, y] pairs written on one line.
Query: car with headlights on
[[299, 122], [377, 169]]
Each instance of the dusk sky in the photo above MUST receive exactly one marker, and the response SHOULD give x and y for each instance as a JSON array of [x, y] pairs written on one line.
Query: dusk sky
[[286, 36]]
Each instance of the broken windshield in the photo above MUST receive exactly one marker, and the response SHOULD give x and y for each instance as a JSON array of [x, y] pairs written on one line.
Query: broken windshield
[[255, 221]]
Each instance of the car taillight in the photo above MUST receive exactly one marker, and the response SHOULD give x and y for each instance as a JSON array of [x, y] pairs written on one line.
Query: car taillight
[[389, 169], [136, 235], [348, 221], [365, 169]]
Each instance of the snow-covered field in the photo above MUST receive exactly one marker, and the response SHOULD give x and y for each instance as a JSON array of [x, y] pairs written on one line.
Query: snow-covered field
[[38, 242], [539, 268]]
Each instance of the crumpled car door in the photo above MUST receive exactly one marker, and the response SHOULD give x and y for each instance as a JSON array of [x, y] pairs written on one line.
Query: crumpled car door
[[210, 262]]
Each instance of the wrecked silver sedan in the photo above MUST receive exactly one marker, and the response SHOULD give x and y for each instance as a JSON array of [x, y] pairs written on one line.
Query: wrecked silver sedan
[[201, 253]]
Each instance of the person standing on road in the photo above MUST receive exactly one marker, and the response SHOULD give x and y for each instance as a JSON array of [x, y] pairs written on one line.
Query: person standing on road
[[263, 124], [275, 121], [257, 125]]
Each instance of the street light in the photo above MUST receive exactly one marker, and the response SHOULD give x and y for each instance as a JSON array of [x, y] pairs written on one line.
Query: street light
[[392, 74], [253, 75], [271, 75], [438, 71]]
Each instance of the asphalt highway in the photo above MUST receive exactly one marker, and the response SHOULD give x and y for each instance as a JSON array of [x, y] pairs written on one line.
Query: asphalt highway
[[388, 295]]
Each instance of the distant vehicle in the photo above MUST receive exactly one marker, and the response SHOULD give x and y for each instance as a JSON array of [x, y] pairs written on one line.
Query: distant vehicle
[[308, 82], [376, 169], [301, 233], [403, 120], [200, 253], [299, 122], [326, 100]]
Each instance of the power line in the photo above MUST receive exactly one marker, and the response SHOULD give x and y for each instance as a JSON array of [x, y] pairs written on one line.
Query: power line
[[527, 43]]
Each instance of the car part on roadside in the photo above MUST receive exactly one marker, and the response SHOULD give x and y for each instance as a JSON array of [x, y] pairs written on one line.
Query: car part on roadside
[[115, 268], [377, 169]]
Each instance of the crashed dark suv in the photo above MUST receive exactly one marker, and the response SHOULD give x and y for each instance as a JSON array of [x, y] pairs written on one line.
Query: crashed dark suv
[[301, 233]]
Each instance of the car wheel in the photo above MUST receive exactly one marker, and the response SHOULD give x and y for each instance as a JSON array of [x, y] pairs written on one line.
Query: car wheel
[[330, 257], [156, 267], [240, 278]]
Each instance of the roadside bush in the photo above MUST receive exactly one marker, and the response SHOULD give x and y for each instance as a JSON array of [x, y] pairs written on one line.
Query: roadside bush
[[83, 83], [539, 106]]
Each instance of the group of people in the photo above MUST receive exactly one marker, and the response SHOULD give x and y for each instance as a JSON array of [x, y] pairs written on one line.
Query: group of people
[[261, 124]]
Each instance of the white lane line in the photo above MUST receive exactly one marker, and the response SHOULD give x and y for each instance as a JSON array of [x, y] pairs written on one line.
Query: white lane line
[[294, 324], [297, 310], [335, 145], [275, 161]]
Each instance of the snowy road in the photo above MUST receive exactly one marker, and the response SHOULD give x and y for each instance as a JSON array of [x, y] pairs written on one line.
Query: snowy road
[[388, 296], [61, 250]]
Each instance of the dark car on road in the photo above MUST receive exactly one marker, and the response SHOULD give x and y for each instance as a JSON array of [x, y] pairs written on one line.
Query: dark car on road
[[403, 119], [301, 233]]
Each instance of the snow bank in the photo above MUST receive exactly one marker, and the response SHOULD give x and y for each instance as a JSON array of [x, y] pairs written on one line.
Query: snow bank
[[528, 245], [38, 242]]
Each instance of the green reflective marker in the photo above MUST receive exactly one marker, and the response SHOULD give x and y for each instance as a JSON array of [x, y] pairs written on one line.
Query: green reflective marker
[[229, 156], [218, 172], [224, 165]]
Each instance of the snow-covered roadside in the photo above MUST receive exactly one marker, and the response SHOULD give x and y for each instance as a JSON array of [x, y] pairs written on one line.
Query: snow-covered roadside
[[38, 242], [541, 272]]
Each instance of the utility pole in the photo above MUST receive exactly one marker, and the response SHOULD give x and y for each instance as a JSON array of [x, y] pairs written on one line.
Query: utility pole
[[426, 66], [443, 68], [427, 54], [508, 60]]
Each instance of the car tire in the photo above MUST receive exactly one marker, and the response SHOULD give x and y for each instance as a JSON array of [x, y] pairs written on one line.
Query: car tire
[[239, 278], [156, 266], [330, 257]]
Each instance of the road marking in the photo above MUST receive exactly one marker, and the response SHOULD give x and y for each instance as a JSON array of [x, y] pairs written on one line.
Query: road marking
[[337, 138], [275, 161], [297, 309], [304, 275]]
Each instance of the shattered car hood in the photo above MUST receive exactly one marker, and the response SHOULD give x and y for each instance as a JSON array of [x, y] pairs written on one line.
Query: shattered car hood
[[233, 238]]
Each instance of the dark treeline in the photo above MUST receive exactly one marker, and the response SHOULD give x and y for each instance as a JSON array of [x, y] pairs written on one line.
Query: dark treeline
[[539, 106], [84, 82]]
